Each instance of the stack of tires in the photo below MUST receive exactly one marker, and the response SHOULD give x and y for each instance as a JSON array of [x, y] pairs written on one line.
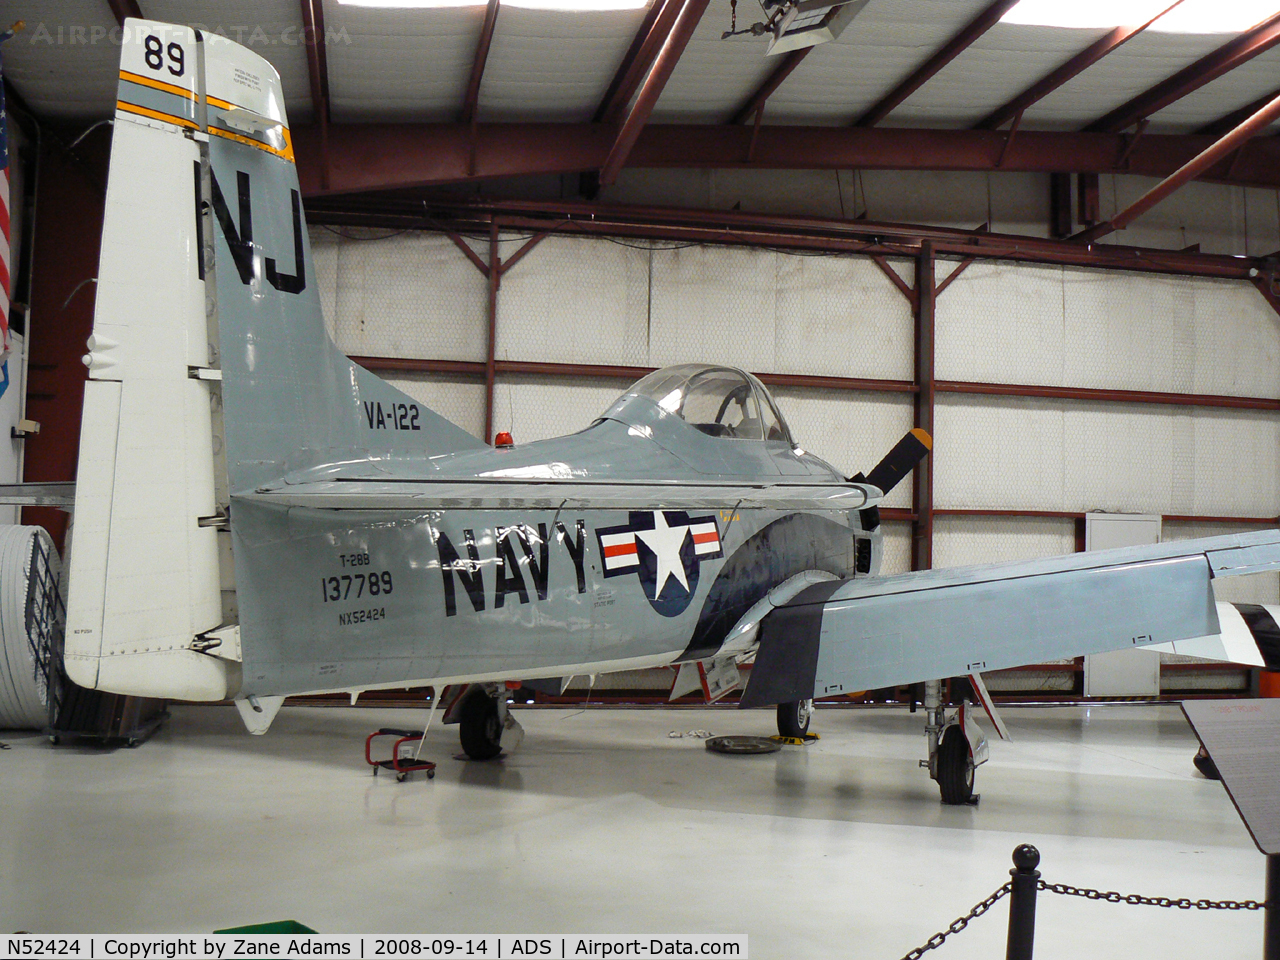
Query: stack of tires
[[29, 614]]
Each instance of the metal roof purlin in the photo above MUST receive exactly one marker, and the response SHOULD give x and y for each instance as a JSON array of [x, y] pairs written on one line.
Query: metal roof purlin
[[1069, 70], [1227, 57], [477, 65], [766, 90], [690, 14], [976, 27], [646, 44]]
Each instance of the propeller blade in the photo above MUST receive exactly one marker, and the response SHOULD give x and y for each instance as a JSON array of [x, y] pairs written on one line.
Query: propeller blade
[[899, 461]]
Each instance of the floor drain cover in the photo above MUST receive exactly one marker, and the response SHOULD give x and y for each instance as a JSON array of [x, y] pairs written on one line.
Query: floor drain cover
[[743, 745]]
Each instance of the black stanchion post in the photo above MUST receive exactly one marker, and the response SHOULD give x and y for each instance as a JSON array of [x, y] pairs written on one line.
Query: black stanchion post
[[1022, 903], [1271, 928]]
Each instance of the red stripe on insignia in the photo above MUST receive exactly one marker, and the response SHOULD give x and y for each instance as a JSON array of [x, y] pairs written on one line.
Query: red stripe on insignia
[[619, 550], [706, 538], [4, 277], [4, 219]]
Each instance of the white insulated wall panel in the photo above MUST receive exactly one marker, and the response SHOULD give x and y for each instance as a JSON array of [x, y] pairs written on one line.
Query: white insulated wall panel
[[410, 295], [1056, 326], [576, 300], [850, 430], [1129, 331], [840, 316], [1001, 323], [460, 400], [962, 541], [895, 544], [714, 305], [1000, 453], [776, 312], [536, 408], [996, 454], [1237, 340]]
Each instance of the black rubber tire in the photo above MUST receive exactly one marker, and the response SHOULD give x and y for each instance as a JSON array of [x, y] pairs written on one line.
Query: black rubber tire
[[794, 717], [1204, 763], [955, 767], [479, 728]]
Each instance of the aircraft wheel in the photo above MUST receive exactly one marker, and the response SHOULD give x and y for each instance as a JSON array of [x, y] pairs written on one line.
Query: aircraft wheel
[[1204, 763], [955, 767], [794, 717], [479, 728]]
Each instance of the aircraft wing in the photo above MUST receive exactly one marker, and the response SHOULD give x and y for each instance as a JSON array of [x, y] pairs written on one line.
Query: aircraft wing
[[862, 634], [499, 493]]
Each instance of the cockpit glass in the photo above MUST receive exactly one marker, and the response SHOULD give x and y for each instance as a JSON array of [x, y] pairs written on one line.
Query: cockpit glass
[[719, 401]]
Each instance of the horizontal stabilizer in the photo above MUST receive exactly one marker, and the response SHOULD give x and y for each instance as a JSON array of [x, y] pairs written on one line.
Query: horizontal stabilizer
[[38, 494], [879, 632], [1248, 635], [502, 493]]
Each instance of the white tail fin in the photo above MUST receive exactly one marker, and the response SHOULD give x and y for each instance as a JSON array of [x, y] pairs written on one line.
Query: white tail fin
[[210, 371]]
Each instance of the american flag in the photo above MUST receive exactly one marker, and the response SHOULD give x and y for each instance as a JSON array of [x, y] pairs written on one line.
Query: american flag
[[6, 259]]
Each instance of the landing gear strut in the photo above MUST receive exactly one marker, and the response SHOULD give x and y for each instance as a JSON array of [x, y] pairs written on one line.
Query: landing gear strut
[[794, 717], [956, 747], [485, 726]]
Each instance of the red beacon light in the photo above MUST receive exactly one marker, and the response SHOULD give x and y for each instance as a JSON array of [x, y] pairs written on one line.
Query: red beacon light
[[503, 440]]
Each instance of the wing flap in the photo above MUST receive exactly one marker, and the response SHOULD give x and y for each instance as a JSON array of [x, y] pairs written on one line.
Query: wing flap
[[871, 633]]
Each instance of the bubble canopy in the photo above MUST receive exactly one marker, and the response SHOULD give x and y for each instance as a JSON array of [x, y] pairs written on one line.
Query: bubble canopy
[[719, 401]]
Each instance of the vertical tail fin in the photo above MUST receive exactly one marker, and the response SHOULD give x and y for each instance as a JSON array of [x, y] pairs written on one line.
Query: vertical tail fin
[[210, 370]]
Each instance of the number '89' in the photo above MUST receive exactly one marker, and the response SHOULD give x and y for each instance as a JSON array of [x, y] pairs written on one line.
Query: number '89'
[[155, 55]]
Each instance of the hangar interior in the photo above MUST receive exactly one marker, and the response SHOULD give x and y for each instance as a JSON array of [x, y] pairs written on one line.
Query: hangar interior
[[942, 217]]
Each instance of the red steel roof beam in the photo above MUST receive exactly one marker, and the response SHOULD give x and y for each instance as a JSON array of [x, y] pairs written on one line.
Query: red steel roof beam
[[757, 101], [1188, 171], [648, 41], [1068, 71], [1242, 49], [957, 45], [690, 15], [374, 156], [472, 98], [125, 8], [318, 74]]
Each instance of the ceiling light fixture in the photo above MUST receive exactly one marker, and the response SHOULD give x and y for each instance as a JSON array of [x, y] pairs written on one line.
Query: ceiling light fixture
[[1190, 16]]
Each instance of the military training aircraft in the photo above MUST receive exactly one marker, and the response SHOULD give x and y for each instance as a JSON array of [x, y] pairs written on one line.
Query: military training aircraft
[[257, 516]]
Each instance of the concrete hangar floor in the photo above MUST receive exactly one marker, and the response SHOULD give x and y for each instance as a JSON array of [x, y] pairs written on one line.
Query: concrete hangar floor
[[604, 824]]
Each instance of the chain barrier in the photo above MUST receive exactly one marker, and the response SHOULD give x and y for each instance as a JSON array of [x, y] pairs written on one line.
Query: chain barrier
[[1182, 903], [938, 939], [1109, 896]]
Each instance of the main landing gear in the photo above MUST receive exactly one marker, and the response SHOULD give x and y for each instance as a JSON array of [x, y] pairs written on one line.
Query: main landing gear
[[794, 717], [957, 746], [485, 725]]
